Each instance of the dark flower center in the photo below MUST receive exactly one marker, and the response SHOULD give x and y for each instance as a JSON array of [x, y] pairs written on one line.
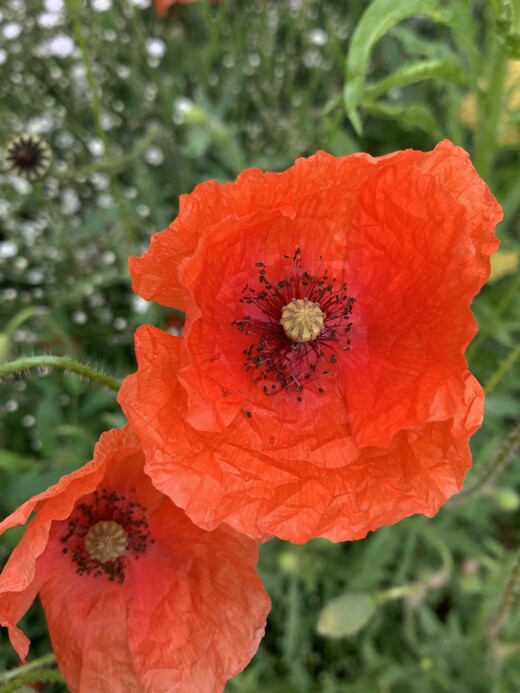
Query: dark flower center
[[28, 156], [103, 532], [299, 323]]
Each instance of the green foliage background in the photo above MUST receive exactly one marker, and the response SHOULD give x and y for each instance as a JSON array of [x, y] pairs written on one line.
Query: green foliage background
[[138, 110]]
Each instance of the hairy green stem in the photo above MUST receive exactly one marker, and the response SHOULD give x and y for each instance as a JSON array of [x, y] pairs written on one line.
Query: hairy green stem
[[38, 675], [502, 370], [499, 619], [26, 668], [63, 362]]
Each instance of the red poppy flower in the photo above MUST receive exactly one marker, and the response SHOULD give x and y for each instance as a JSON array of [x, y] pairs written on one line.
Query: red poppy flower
[[137, 598], [327, 315]]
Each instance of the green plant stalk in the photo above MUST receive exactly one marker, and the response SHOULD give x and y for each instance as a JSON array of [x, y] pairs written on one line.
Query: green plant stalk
[[502, 370], [26, 668], [63, 362], [411, 588], [111, 165], [293, 622], [28, 313], [73, 9], [444, 552], [490, 101], [38, 675], [492, 470], [21, 317], [398, 592], [410, 626], [499, 619]]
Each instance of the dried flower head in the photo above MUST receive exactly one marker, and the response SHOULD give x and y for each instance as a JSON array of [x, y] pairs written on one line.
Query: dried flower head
[[28, 156]]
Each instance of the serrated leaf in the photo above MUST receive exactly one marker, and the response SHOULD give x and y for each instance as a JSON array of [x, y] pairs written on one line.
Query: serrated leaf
[[378, 19], [346, 615]]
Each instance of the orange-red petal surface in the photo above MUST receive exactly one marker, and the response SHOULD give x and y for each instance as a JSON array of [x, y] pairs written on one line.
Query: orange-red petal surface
[[371, 421], [294, 488], [188, 613]]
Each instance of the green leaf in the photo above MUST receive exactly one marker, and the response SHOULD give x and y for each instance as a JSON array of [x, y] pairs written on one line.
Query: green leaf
[[13, 462], [502, 406], [95, 402], [411, 116], [418, 45], [377, 20], [340, 143], [346, 615], [417, 71], [26, 485]]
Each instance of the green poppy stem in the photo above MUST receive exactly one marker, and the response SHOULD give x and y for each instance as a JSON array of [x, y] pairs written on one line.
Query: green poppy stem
[[398, 592], [502, 370], [507, 602], [63, 362], [490, 99], [37, 675], [14, 679], [111, 164]]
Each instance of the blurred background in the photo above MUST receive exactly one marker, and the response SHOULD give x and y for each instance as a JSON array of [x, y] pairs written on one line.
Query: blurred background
[[135, 104]]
